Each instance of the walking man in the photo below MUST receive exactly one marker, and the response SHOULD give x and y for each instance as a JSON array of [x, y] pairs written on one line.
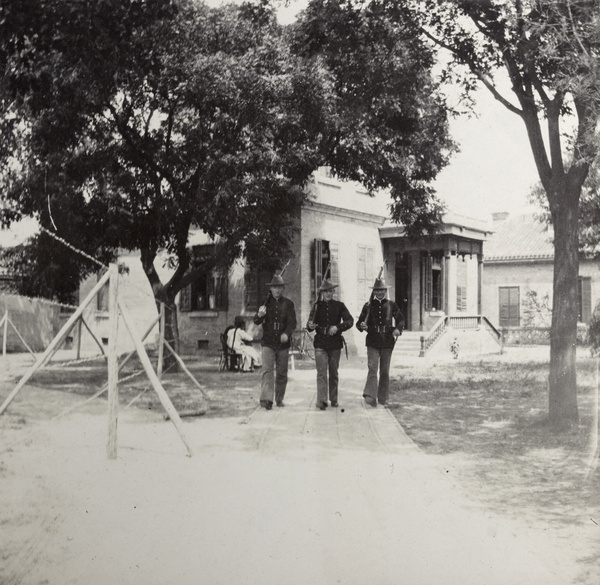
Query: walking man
[[329, 319], [278, 319], [383, 321]]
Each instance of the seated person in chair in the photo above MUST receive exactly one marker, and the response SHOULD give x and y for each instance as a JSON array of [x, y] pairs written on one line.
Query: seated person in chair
[[238, 341]]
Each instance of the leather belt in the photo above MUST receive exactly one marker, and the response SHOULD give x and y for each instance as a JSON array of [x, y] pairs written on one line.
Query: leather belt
[[380, 329], [277, 327]]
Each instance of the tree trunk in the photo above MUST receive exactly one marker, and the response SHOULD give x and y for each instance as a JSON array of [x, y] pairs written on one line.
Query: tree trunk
[[563, 413], [162, 294], [171, 336]]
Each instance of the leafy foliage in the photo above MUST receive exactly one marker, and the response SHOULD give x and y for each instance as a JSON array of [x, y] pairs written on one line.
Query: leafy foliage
[[183, 115], [593, 332]]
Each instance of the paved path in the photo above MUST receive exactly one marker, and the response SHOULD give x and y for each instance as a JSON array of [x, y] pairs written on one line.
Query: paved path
[[292, 496]]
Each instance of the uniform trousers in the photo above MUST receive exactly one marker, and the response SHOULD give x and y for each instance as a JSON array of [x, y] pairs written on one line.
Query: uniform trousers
[[327, 362], [378, 359], [274, 373]]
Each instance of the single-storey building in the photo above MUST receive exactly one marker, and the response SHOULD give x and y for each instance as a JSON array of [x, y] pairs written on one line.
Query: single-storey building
[[518, 280]]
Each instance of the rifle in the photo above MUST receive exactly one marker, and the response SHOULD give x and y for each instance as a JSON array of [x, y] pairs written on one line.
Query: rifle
[[368, 313], [313, 309]]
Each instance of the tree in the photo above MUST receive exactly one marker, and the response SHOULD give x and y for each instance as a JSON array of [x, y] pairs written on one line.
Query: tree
[[549, 53], [175, 117], [182, 115]]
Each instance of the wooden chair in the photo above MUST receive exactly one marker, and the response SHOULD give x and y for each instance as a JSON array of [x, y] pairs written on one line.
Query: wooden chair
[[229, 360]]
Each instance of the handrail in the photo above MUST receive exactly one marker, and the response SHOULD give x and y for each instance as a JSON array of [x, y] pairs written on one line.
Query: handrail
[[434, 334], [458, 322], [490, 326]]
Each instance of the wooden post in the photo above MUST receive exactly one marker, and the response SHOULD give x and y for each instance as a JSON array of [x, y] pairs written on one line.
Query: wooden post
[[131, 354], [160, 391], [113, 371], [94, 337], [55, 343], [161, 342], [4, 323], [79, 337], [184, 368]]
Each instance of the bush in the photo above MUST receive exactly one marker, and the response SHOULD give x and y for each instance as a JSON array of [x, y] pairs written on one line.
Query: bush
[[593, 332]]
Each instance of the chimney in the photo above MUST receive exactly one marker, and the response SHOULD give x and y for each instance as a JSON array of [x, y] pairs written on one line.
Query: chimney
[[499, 216]]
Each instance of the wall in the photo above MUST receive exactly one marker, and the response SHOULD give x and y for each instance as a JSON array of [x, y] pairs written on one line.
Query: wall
[[135, 293], [37, 320], [528, 276], [348, 230]]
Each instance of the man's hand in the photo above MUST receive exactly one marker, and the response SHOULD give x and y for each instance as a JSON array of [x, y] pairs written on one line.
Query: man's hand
[[362, 326], [396, 333], [284, 338], [262, 311], [332, 330], [310, 325]]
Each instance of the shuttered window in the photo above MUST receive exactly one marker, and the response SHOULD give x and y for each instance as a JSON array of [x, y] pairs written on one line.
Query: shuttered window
[[509, 312], [325, 264]]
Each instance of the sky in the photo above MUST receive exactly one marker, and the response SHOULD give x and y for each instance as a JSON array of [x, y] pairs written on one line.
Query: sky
[[494, 169]]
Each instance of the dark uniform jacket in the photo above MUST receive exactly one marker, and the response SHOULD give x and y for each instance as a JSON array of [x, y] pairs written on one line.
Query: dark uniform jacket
[[280, 318], [326, 315], [383, 317]]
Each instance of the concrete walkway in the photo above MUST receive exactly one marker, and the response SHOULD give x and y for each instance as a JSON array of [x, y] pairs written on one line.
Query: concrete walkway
[[292, 496]]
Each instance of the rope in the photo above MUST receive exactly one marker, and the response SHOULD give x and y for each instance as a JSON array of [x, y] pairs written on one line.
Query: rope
[[79, 361], [92, 259], [71, 247]]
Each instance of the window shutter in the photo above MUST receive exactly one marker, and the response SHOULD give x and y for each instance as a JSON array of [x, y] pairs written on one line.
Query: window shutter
[[514, 306], [318, 266], [334, 270]]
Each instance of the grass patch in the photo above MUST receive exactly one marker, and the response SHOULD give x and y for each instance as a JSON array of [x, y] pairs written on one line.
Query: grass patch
[[486, 420]]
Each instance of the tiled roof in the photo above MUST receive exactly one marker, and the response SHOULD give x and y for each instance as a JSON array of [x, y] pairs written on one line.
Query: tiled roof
[[519, 237]]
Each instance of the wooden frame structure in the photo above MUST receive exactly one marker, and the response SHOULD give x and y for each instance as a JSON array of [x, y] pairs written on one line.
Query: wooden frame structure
[[116, 309]]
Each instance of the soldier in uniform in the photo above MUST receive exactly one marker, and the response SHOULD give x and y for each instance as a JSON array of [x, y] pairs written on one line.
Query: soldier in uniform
[[383, 321], [278, 319], [329, 319]]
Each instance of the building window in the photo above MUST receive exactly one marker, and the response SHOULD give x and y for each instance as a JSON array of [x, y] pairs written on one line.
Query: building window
[[584, 299], [365, 277], [208, 291], [509, 306], [255, 287]]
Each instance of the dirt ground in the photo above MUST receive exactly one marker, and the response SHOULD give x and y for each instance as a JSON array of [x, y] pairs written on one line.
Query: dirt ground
[[479, 423]]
